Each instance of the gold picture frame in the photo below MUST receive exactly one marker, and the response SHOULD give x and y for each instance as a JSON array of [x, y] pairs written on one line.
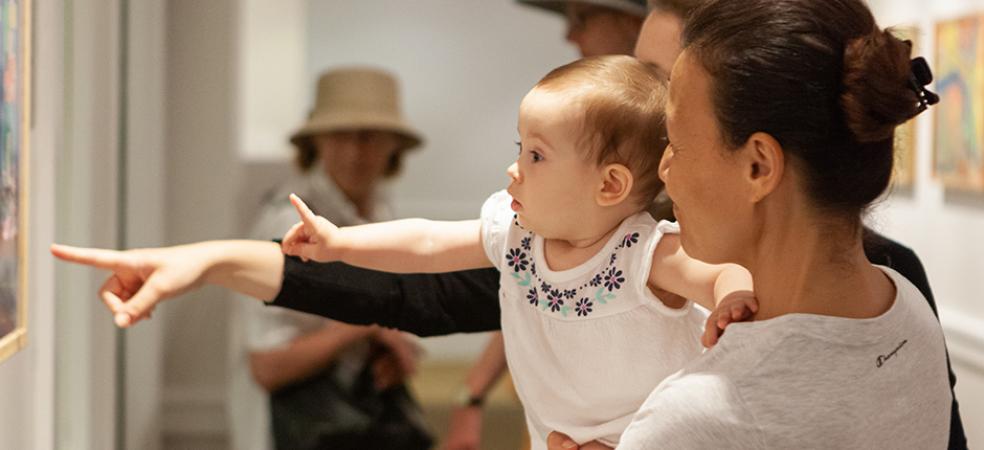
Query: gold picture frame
[[15, 125]]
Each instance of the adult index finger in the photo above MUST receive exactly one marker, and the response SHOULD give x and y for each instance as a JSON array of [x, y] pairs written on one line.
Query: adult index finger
[[95, 257]]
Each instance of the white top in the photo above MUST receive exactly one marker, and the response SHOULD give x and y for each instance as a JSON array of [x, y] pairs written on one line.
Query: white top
[[255, 327], [586, 345], [810, 381]]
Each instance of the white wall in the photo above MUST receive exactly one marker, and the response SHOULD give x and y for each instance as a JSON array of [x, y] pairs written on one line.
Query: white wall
[[202, 180], [947, 232], [144, 213], [87, 207]]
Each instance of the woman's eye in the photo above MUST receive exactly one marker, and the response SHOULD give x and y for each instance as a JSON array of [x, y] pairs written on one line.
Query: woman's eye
[[519, 147], [536, 156]]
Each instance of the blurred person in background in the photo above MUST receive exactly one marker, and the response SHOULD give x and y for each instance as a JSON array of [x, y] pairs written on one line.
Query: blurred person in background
[[354, 140]]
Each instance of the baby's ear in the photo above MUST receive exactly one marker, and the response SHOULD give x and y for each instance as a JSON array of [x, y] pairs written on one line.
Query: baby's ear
[[616, 185]]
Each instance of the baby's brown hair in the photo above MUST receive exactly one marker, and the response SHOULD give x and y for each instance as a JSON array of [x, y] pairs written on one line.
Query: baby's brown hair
[[624, 121]]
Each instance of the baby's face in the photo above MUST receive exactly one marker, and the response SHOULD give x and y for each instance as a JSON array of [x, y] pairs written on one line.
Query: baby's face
[[553, 182]]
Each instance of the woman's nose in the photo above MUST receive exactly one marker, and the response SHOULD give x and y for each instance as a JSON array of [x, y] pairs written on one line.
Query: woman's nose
[[664, 163]]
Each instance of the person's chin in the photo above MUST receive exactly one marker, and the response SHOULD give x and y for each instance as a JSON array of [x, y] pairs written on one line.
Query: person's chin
[[524, 222]]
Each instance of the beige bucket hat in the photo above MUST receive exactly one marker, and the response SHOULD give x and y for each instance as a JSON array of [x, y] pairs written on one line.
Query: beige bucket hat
[[634, 7], [357, 98]]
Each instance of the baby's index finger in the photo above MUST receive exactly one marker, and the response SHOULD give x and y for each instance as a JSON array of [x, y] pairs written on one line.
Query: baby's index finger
[[306, 214]]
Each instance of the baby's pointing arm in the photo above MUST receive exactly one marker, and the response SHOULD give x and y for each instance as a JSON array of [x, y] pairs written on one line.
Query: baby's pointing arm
[[402, 246]]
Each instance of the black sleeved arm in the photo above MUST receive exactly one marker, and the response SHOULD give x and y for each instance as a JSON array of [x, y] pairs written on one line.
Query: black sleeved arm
[[422, 304], [884, 251]]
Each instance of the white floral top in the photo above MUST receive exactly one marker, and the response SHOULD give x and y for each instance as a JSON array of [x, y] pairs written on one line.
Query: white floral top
[[586, 345]]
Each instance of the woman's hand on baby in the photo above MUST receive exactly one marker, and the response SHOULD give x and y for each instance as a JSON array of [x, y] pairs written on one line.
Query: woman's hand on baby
[[309, 239], [735, 307], [141, 278]]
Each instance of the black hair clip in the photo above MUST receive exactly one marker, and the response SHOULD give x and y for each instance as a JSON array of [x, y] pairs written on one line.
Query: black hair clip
[[919, 77]]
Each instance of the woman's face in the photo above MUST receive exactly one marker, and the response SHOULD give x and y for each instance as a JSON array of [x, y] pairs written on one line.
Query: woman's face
[[356, 160], [702, 175], [659, 40]]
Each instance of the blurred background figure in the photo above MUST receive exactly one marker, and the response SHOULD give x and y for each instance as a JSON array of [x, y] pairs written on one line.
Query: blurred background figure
[[599, 27], [302, 381]]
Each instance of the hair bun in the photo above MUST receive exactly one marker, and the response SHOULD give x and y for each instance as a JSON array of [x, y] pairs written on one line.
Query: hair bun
[[877, 97]]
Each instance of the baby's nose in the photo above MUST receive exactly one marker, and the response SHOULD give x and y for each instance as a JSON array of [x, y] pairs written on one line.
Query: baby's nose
[[513, 171]]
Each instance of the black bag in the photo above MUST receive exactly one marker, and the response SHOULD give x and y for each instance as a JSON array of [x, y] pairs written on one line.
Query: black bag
[[320, 413]]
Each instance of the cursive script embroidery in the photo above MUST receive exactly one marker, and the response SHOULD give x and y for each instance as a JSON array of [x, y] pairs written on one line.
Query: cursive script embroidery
[[882, 358]]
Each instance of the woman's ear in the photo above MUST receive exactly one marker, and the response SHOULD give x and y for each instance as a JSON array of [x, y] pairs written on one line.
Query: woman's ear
[[764, 165], [616, 185]]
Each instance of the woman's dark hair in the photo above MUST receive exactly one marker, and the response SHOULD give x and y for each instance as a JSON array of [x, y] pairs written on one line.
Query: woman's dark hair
[[820, 77]]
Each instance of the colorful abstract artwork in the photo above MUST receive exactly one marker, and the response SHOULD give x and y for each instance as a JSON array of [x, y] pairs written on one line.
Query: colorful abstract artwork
[[959, 131], [14, 110]]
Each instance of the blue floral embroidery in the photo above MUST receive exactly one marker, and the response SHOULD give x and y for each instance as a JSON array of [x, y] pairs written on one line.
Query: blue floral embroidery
[[596, 281], [516, 259], [630, 239], [607, 281], [614, 279], [554, 301], [583, 307]]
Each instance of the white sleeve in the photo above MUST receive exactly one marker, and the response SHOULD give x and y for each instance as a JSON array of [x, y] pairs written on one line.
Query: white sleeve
[[266, 327], [697, 411], [667, 227], [497, 216]]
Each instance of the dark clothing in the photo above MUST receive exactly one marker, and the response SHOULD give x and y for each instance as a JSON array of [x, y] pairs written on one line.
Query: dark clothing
[[468, 301]]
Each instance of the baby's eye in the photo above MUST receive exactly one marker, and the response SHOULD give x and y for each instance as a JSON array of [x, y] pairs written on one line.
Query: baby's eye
[[536, 156], [519, 147]]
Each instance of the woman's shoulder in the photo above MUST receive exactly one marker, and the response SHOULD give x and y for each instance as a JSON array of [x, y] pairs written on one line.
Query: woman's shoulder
[[694, 408]]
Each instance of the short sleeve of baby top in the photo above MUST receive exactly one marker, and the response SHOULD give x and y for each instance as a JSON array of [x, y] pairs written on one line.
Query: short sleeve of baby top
[[585, 345]]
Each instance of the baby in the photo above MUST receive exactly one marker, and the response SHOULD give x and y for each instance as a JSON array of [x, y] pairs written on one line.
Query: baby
[[586, 338]]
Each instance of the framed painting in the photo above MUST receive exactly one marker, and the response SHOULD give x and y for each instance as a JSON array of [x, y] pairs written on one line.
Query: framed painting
[[15, 103], [958, 155]]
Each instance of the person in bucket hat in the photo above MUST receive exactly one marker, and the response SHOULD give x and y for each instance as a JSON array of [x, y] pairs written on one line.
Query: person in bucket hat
[[356, 99], [354, 138], [598, 27]]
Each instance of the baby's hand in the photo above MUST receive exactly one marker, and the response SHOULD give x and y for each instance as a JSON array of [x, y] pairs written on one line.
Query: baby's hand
[[735, 307], [310, 238]]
